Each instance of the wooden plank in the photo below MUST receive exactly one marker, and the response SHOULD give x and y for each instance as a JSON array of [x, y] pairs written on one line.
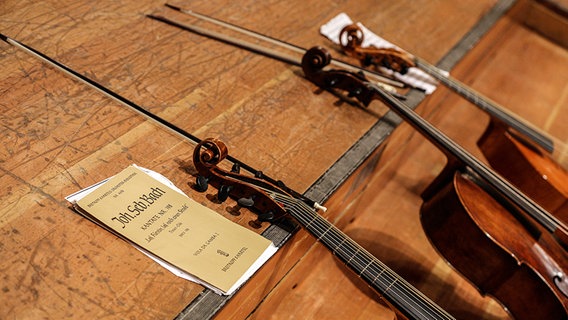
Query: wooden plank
[[61, 136]]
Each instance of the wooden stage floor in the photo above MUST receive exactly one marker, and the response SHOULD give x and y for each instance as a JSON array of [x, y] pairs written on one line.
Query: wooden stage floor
[[59, 136]]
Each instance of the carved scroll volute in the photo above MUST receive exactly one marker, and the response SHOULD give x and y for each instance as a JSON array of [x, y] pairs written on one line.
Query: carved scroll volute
[[351, 40], [355, 85], [250, 192]]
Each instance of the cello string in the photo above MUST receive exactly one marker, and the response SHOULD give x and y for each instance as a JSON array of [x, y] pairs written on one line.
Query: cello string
[[284, 44], [320, 225], [317, 228], [406, 291], [546, 219], [371, 266], [486, 104], [556, 147]]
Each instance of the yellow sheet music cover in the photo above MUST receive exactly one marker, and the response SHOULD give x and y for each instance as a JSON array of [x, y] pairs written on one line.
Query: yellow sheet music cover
[[171, 226]]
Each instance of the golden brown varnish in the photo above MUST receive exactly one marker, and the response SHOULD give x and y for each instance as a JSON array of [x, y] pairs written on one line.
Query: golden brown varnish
[[487, 244], [528, 167]]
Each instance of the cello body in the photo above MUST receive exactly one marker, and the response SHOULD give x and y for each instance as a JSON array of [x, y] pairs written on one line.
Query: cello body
[[528, 167], [466, 226]]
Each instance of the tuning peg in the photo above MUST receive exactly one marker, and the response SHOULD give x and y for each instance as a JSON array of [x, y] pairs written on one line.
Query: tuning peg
[[269, 216], [258, 174], [236, 168], [264, 217], [201, 183], [246, 202], [223, 192], [367, 60]]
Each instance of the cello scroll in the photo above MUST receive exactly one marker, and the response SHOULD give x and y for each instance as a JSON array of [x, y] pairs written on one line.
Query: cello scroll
[[351, 38], [250, 192], [316, 59]]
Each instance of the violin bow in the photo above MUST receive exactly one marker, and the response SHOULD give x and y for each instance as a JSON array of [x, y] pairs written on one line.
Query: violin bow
[[370, 74], [161, 121]]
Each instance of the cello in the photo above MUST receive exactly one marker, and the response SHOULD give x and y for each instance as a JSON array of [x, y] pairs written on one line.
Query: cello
[[475, 218], [514, 148], [273, 202]]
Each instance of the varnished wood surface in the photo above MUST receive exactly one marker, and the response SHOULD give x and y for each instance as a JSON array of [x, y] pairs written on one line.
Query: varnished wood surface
[[60, 136]]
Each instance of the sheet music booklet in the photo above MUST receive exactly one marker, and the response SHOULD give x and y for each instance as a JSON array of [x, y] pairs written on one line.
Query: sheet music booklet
[[194, 242]]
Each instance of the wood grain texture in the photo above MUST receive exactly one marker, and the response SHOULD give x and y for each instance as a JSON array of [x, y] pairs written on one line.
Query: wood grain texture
[[60, 136]]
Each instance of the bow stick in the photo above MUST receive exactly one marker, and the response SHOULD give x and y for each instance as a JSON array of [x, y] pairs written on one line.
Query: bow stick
[[124, 101], [370, 74]]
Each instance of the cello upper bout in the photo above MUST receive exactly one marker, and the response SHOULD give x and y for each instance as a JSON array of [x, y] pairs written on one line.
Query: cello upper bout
[[551, 171], [528, 167]]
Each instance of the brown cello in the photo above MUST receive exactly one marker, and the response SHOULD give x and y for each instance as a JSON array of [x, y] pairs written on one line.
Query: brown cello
[[273, 202], [471, 215], [517, 150]]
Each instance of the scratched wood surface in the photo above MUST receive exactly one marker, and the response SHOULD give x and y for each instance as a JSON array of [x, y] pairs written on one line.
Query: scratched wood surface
[[60, 136]]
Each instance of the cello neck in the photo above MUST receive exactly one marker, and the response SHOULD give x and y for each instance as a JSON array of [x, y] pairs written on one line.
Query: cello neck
[[489, 106], [454, 150], [411, 302]]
